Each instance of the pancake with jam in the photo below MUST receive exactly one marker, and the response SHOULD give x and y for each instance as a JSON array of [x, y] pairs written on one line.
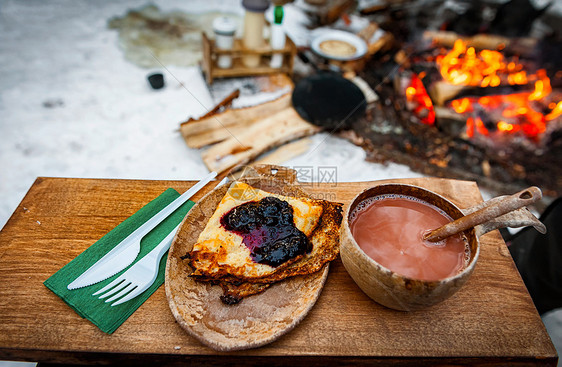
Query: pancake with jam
[[255, 238]]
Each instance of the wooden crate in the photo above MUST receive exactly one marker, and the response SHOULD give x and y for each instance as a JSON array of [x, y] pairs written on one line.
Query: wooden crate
[[211, 53]]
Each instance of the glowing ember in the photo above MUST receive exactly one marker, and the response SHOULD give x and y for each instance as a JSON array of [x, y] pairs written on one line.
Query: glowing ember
[[516, 111], [542, 86], [507, 127], [556, 111], [419, 101], [477, 124]]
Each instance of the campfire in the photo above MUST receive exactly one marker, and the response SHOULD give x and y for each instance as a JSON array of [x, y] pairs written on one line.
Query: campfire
[[524, 113], [482, 107]]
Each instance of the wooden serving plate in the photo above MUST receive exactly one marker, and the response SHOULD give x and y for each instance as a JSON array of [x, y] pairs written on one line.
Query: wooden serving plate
[[491, 321], [258, 319]]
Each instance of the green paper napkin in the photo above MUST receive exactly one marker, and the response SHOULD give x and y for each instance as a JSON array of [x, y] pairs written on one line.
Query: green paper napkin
[[102, 314]]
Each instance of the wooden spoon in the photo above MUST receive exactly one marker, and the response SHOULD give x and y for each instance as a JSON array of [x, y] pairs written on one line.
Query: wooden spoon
[[501, 207]]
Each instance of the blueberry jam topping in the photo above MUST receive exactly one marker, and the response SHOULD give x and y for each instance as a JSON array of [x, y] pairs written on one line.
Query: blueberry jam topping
[[268, 230]]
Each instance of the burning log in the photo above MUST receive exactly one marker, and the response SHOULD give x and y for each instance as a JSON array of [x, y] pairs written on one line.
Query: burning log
[[519, 46], [442, 92], [502, 160]]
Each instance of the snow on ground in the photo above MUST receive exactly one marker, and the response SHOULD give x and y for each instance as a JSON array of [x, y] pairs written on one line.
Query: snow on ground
[[72, 106]]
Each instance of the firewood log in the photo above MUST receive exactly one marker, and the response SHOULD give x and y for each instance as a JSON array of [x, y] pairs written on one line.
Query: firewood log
[[220, 126], [267, 133], [442, 91], [521, 46]]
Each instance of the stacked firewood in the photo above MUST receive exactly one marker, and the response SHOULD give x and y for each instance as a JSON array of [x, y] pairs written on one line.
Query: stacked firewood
[[235, 137]]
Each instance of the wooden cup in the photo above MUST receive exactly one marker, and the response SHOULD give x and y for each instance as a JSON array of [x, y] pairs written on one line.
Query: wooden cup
[[406, 294]]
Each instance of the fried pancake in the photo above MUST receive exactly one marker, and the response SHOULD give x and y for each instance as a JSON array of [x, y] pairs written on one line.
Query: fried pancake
[[325, 249], [220, 253]]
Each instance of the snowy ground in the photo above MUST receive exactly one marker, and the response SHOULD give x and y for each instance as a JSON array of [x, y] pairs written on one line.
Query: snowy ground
[[72, 106]]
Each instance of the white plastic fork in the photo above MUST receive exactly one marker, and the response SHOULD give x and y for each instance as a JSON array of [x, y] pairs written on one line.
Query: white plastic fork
[[138, 277], [125, 253]]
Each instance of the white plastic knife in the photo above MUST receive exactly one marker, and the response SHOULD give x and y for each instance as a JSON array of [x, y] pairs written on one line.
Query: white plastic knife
[[126, 251]]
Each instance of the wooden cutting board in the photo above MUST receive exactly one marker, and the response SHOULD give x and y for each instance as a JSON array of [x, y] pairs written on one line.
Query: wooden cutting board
[[491, 320]]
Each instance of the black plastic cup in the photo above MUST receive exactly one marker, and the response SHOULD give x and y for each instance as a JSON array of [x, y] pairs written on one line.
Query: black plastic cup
[[156, 80]]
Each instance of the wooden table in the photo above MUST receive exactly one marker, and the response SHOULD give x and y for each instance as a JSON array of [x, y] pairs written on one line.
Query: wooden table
[[491, 320]]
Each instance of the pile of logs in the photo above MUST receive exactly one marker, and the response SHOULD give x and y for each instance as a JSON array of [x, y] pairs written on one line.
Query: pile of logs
[[236, 137]]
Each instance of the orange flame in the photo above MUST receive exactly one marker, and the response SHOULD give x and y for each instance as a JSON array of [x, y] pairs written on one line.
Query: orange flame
[[506, 127], [542, 86], [420, 101], [516, 112], [461, 105], [476, 124], [487, 68], [556, 111], [517, 109]]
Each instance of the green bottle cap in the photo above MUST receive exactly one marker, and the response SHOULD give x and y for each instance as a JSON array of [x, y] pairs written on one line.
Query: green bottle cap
[[278, 14]]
